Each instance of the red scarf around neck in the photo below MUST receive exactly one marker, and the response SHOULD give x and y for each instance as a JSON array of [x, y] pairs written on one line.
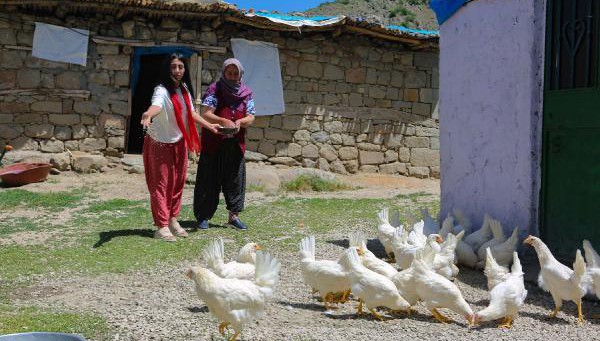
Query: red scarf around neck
[[191, 139]]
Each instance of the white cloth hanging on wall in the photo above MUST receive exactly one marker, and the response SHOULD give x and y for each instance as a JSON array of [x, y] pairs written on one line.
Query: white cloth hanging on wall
[[262, 73], [60, 44]]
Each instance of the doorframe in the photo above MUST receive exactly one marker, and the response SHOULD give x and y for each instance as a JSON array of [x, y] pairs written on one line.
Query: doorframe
[[195, 65]]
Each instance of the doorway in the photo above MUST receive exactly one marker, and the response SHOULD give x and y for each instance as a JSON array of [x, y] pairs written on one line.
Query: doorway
[[571, 127], [146, 67]]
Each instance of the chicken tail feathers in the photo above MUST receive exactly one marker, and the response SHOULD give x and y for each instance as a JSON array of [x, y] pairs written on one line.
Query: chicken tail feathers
[[213, 253], [307, 248], [516, 266], [447, 225], [591, 256], [356, 239], [353, 258], [267, 270], [514, 237], [383, 216], [579, 264]]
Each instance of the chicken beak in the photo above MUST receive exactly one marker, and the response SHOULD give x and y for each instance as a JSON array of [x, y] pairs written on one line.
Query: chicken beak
[[439, 239], [188, 274], [257, 247], [528, 240], [360, 251]]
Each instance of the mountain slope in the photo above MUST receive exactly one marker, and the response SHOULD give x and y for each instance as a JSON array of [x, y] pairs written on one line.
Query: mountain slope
[[408, 13]]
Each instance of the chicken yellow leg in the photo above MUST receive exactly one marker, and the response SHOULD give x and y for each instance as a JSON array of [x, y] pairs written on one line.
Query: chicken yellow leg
[[326, 300], [554, 312], [376, 314], [506, 323], [222, 327], [235, 336], [345, 296], [439, 316], [579, 313], [359, 309]]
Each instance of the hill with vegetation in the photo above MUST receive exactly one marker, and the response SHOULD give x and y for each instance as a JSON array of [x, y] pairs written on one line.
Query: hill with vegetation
[[409, 13]]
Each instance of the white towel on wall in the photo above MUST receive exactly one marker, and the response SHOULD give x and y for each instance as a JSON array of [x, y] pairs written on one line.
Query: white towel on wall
[[60, 44], [262, 73]]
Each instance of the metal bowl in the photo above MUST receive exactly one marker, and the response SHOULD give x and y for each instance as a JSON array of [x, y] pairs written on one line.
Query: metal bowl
[[42, 336], [228, 130]]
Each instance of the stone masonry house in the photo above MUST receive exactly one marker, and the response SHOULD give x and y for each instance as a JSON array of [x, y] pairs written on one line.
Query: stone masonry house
[[358, 96]]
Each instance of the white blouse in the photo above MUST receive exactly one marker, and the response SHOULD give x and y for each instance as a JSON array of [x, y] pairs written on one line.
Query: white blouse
[[164, 125]]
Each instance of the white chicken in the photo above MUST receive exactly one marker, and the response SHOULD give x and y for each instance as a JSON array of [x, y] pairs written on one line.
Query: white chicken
[[506, 296], [477, 238], [405, 252], [234, 301], [503, 252], [494, 272], [385, 232], [369, 260], [372, 289], [593, 270], [447, 226], [463, 222], [562, 282], [498, 238], [465, 255], [242, 268], [438, 292], [405, 282], [325, 276], [442, 262]]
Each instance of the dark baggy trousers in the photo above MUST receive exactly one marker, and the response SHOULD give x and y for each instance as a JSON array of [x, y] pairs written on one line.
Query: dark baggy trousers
[[223, 171]]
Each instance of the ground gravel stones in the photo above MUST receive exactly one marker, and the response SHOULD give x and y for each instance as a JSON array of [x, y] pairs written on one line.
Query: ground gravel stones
[[161, 304]]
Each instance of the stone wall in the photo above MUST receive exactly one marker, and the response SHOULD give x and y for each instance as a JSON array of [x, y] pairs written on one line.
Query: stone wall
[[352, 103]]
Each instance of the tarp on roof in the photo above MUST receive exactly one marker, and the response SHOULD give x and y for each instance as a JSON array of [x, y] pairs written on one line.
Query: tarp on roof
[[315, 21], [297, 21], [444, 9]]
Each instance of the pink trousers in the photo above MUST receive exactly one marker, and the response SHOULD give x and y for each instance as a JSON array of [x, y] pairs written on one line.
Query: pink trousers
[[165, 166]]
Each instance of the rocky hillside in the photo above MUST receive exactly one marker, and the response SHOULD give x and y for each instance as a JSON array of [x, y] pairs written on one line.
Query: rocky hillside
[[409, 13]]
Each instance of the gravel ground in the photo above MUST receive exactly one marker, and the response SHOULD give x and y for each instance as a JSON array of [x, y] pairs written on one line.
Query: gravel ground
[[161, 305]]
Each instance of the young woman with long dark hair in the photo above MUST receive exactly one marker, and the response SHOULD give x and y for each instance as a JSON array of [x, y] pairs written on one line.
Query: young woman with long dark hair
[[171, 131]]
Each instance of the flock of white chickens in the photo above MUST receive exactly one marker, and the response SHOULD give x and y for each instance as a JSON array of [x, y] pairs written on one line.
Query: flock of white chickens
[[425, 257]]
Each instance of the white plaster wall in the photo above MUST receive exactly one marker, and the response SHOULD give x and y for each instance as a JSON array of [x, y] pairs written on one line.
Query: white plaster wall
[[491, 63]]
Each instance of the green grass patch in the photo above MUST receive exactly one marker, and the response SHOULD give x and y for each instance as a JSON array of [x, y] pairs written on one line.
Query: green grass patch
[[309, 182], [111, 241], [10, 199], [23, 224], [33, 319]]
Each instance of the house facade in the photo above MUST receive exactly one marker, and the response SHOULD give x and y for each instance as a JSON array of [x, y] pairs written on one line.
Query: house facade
[[358, 97], [519, 130]]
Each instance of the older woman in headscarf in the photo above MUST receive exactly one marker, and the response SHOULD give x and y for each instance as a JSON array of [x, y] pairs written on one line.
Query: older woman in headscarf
[[229, 103]]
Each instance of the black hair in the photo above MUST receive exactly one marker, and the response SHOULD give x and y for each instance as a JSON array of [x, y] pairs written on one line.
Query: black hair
[[165, 79]]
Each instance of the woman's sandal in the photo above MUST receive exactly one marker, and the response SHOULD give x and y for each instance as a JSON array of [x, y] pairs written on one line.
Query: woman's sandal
[[165, 234], [177, 230]]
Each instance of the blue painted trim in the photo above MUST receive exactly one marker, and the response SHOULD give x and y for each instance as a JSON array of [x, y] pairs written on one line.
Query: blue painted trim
[[444, 9], [140, 51]]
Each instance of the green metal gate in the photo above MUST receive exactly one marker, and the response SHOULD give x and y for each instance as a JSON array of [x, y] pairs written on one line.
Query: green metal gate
[[570, 206]]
